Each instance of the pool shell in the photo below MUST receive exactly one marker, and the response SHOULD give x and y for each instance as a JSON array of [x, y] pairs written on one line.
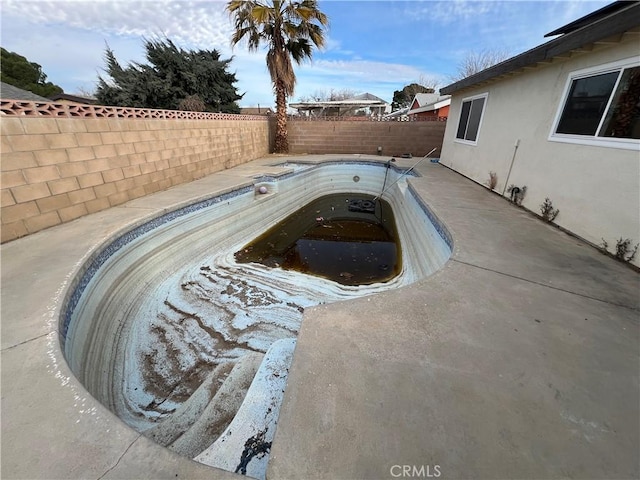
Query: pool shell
[[336, 177], [101, 255]]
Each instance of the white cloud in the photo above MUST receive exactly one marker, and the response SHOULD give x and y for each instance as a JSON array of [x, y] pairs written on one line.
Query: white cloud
[[58, 28], [450, 11], [378, 78], [388, 45], [335, 46], [363, 70], [200, 24]]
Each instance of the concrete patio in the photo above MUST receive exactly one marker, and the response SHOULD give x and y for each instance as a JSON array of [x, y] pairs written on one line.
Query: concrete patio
[[519, 359]]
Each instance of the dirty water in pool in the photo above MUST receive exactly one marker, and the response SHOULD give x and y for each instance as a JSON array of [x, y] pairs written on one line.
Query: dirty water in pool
[[348, 238]]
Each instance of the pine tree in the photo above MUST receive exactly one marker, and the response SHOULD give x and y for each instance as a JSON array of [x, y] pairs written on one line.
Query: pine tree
[[172, 75]]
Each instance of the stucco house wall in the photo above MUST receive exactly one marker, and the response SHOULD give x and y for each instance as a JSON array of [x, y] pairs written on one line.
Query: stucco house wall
[[596, 188]]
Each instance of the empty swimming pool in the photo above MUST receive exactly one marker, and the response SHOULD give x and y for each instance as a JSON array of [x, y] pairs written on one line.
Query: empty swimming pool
[[170, 332]]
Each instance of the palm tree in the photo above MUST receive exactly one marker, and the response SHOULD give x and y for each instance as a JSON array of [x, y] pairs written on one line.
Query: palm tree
[[289, 29]]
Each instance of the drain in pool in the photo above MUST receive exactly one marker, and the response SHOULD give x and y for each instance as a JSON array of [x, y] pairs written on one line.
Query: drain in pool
[[347, 238]]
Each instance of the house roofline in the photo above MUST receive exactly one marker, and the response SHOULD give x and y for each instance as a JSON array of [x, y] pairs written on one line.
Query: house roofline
[[73, 98], [339, 103], [432, 106], [589, 18], [620, 21]]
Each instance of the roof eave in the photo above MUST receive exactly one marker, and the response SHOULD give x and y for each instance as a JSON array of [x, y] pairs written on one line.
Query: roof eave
[[589, 18], [620, 22], [339, 103]]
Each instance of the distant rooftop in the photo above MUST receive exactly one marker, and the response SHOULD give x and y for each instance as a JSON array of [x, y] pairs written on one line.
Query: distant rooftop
[[365, 103], [256, 110], [73, 98], [434, 102], [364, 100], [11, 92]]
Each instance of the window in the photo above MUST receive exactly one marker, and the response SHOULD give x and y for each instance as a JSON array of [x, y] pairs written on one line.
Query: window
[[602, 107], [470, 118]]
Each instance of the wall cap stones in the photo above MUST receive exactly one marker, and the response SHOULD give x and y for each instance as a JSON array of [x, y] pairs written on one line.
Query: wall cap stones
[[69, 110]]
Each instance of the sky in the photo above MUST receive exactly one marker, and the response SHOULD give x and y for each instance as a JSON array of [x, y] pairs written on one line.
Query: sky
[[371, 46]]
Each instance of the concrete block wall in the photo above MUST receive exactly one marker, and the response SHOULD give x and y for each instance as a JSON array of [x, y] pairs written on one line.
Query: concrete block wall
[[345, 136], [54, 170]]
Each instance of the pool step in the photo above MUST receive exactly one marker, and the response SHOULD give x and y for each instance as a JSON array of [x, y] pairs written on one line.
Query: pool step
[[221, 409], [245, 444], [201, 419]]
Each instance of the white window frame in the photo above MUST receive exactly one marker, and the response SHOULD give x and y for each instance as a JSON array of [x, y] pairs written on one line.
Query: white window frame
[[484, 95], [593, 140]]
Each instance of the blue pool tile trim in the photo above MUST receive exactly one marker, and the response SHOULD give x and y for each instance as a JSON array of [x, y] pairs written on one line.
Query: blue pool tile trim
[[103, 255], [442, 230], [313, 166]]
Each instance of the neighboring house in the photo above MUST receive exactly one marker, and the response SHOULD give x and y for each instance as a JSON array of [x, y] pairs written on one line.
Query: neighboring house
[[9, 92], [429, 106], [256, 110], [365, 104], [67, 98], [562, 119], [399, 115], [422, 99]]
